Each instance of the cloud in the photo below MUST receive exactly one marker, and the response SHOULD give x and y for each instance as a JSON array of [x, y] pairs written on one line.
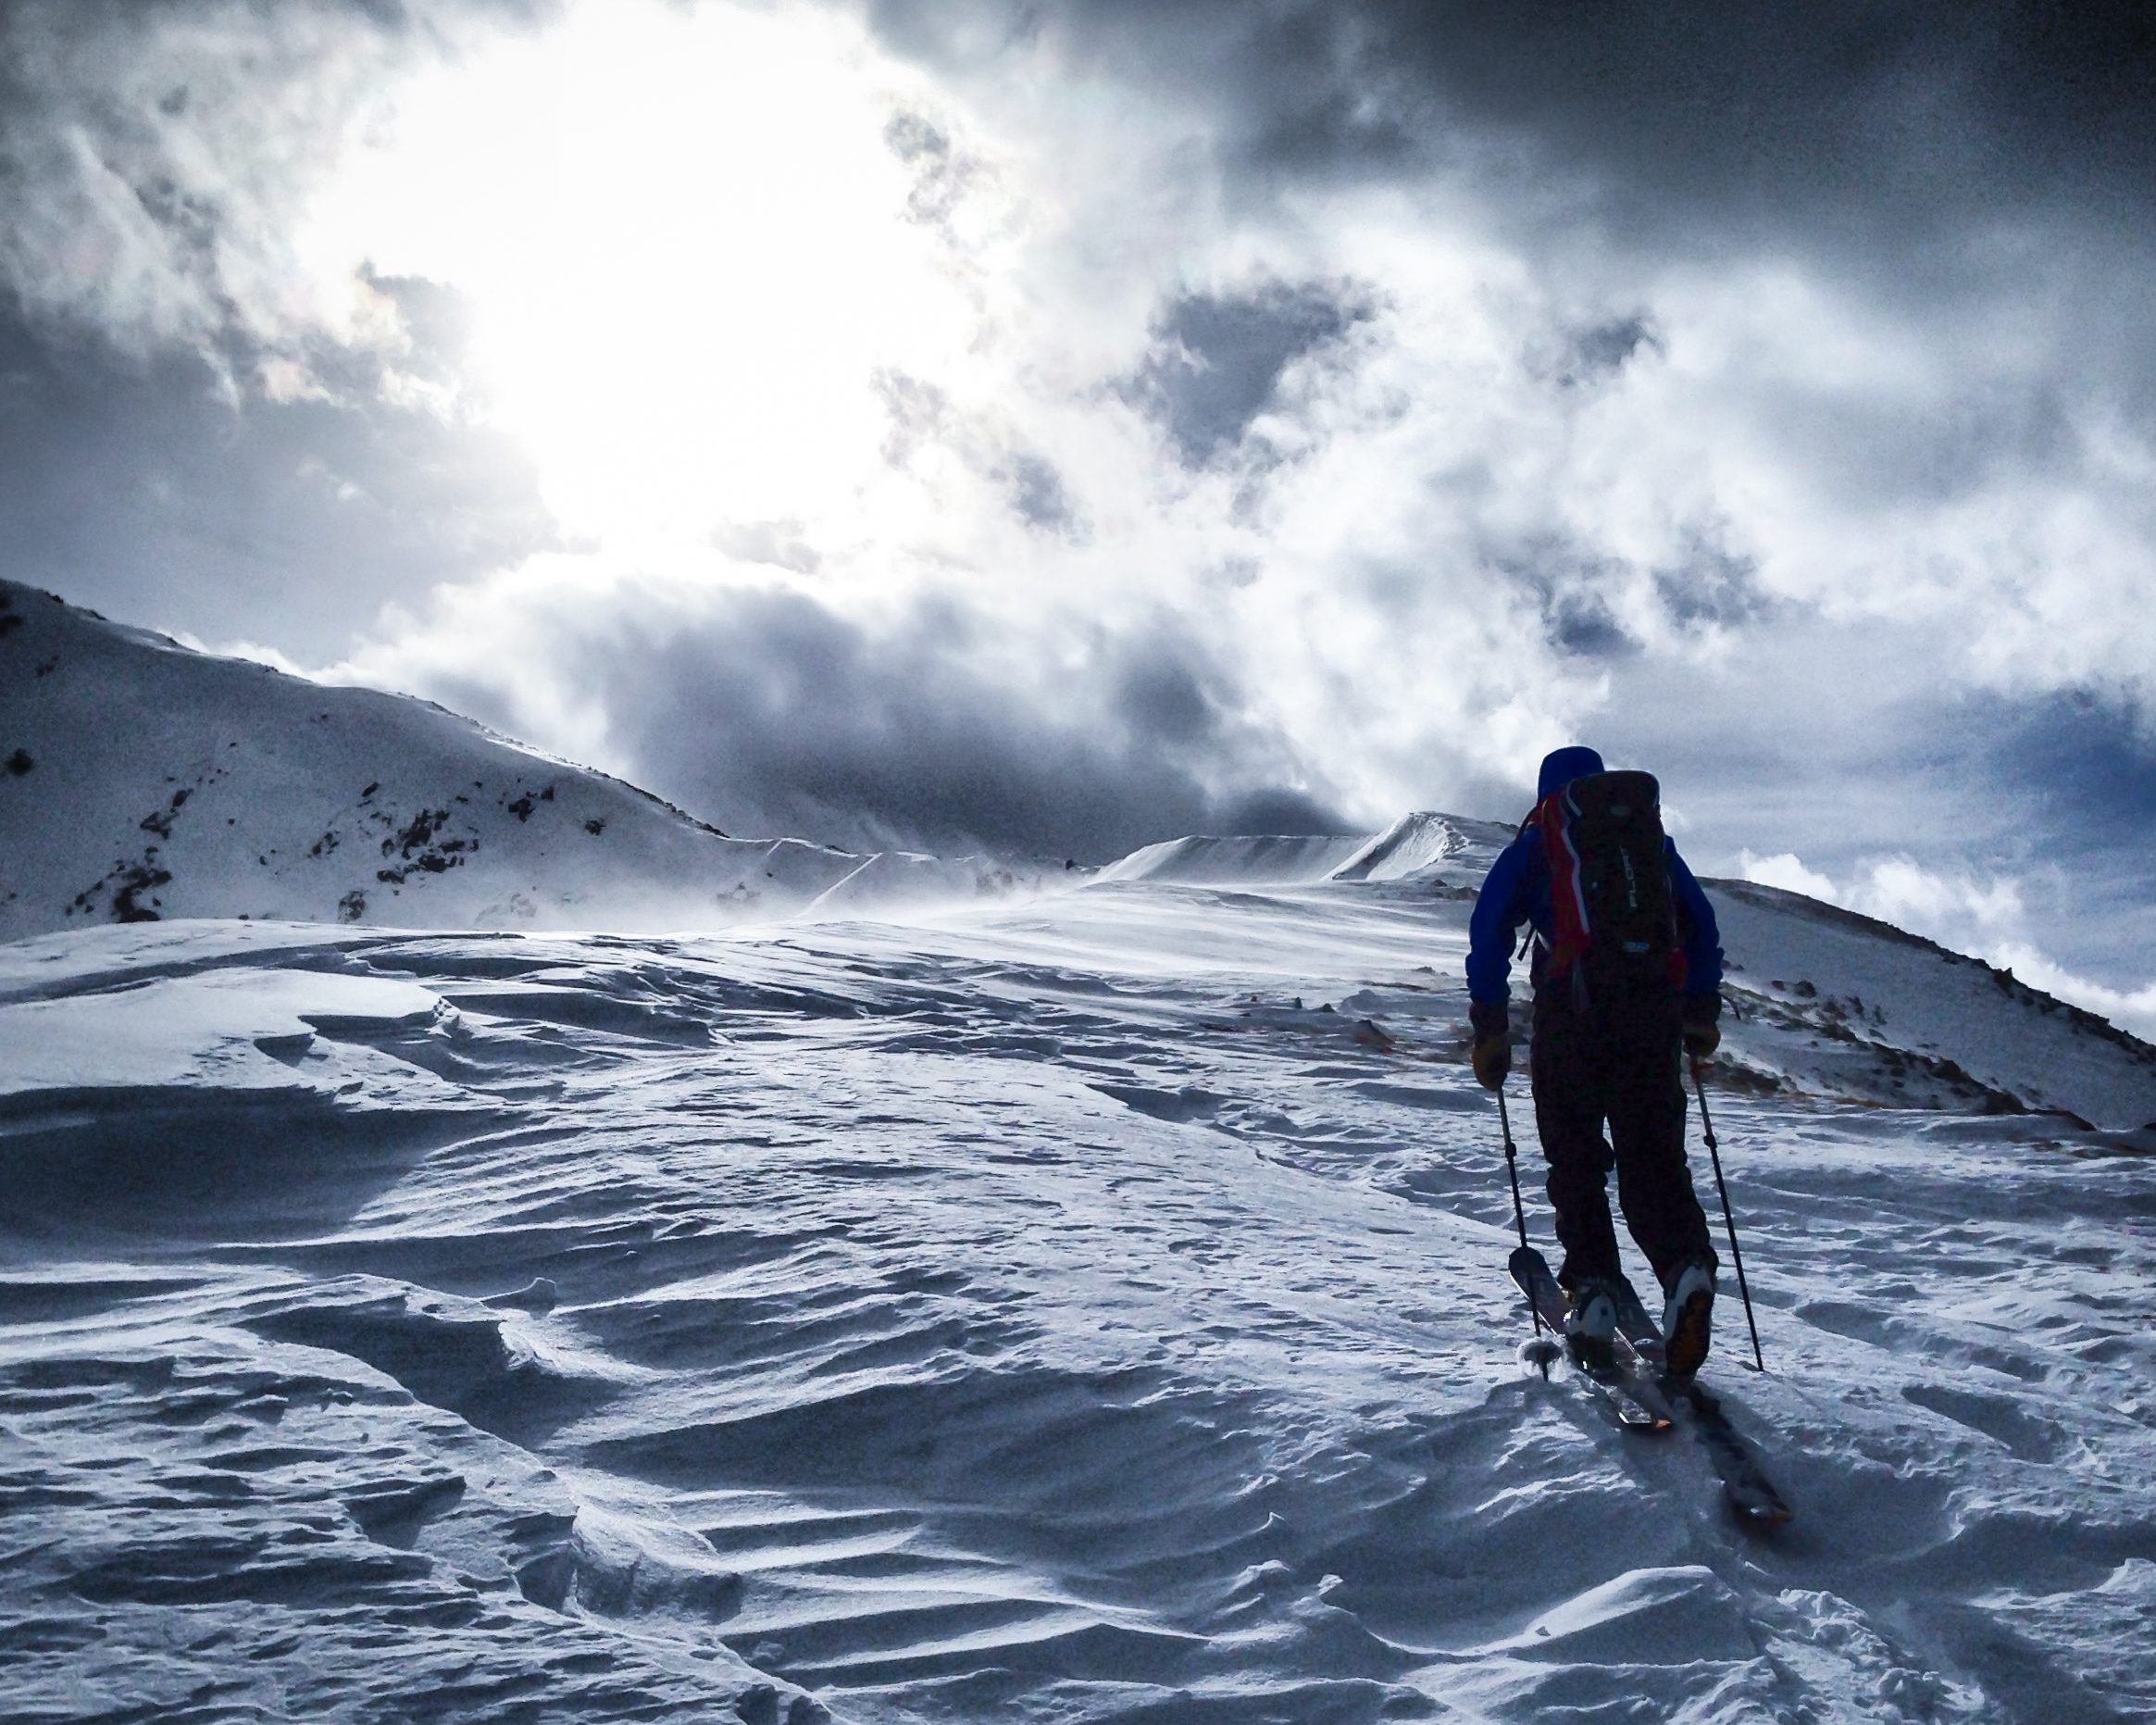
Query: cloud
[[923, 422], [1706, 585], [915, 723], [2132, 1009], [1902, 891], [203, 425], [1787, 870], [1217, 360], [1857, 294], [156, 162], [1259, 402], [1601, 350], [1877, 139], [142, 489]]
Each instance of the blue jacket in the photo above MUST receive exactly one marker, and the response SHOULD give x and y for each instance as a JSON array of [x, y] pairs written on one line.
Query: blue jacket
[[1517, 891]]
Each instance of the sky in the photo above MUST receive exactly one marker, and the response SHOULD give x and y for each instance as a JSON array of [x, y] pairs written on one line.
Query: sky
[[1052, 429]]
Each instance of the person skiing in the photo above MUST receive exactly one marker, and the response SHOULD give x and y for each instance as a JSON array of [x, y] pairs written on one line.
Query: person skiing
[[1627, 976]]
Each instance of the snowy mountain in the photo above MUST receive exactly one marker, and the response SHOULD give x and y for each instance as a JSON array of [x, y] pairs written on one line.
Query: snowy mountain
[[140, 779], [1080, 1306], [1823, 1003], [1424, 845]]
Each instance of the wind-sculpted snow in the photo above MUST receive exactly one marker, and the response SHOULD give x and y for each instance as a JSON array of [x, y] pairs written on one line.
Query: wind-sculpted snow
[[1083, 1312], [1425, 843], [1436, 849], [1291, 860]]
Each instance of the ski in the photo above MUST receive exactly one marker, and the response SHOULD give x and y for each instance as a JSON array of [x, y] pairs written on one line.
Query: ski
[[1624, 1383], [1745, 1485], [1555, 1363]]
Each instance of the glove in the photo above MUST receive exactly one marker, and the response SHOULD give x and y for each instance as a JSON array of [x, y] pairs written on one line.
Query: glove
[[1491, 1023], [1703, 1032]]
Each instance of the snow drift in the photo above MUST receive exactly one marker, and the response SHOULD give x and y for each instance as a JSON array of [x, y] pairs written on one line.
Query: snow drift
[[1422, 846], [1065, 1313]]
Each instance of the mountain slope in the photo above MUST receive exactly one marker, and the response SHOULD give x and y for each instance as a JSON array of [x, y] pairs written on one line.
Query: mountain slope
[[1065, 1313], [1082, 1308], [1823, 1003], [153, 781], [141, 780], [1836, 1004]]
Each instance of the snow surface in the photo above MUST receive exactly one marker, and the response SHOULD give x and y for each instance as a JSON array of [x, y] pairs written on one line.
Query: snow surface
[[1416, 844], [962, 1292], [1086, 1310]]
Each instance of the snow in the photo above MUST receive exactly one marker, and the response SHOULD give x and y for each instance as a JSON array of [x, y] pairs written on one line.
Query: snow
[[140, 779], [1926, 1025], [1288, 859], [897, 1289], [1420, 845], [1058, 1310], [227, 1030]]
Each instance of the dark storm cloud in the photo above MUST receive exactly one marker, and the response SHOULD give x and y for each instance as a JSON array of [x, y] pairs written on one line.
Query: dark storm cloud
[[1216, 361], [1571, 589], [1291, 75], [1902, 141], [1161, 695], [775, 715], [140, 488], [1582, 624], [1580, 594], [1037, 493], [1710, 586], [2089, 758], [1873, 124], [2078, 772], [1599, 351]]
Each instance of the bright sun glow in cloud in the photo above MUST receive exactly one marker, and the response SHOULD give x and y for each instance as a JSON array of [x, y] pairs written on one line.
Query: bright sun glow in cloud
[[684, 240]]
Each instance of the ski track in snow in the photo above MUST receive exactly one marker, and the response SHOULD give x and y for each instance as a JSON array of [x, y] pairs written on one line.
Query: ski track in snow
[[1050, 1315]]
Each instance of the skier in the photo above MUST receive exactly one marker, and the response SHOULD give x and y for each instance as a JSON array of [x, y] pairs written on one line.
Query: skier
[[1626, 971]]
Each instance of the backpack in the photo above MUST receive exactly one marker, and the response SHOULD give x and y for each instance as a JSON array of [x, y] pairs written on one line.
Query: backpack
[[1616, 912]]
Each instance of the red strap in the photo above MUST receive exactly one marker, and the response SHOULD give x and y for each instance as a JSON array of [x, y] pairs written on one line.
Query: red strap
[[1567, 901]]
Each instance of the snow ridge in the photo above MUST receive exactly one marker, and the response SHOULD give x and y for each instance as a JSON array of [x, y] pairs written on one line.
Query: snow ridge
[[140, 779]]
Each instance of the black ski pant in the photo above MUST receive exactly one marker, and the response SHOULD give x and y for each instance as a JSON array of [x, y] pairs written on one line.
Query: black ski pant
[[1616, 1062]]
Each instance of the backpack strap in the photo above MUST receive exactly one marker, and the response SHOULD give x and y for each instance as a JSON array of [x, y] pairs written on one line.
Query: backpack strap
[[1569, 934]]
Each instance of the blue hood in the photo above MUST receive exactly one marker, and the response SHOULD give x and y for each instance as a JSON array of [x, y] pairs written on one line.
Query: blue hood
[[1561, 766]]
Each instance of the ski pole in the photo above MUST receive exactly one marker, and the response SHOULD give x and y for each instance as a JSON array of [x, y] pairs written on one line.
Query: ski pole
[[1728, 1221], [1512, 1169]]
